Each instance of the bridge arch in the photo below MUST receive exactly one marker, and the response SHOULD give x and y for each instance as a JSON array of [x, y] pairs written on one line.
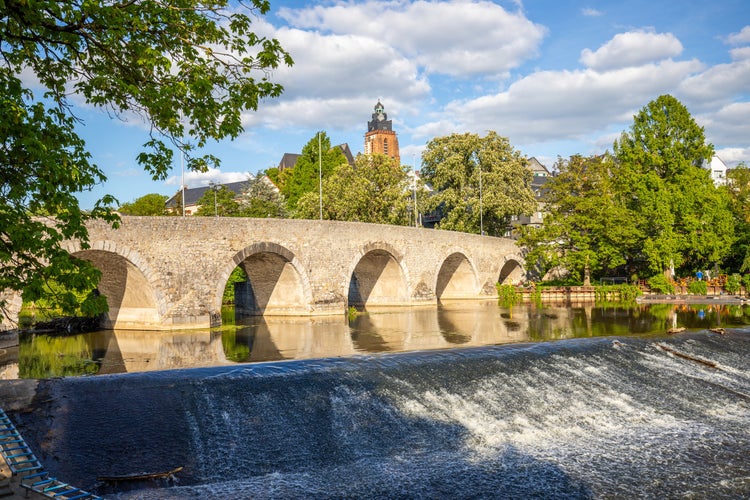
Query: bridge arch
[[378, 277], [511, 271], [456, 278], [277, 283], [129, 284]]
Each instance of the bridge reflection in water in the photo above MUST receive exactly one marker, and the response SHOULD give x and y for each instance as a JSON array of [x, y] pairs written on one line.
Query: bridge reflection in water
[[257, 339]]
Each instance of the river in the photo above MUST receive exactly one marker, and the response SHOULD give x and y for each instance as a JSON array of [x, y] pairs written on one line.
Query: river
[[463, 401]]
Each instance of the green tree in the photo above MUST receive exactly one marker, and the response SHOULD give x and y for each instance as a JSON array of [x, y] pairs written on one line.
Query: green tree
[[218, 200], [375, 189], [262, 199], [305, 175], [455, 166], [150, 204], [189, 69], [738, 188], [585, 230], [683, 220]]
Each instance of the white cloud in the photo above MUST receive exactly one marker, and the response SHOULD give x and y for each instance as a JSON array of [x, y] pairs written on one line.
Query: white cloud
[[717, 85], [589, 12], [198, 179], [728, 126], [335, 78], [733, 156], [740, 38], [740, 53], [458, 38], [633, 48], [555, 105]]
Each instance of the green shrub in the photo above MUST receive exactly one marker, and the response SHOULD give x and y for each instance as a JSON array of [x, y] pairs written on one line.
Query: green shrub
[[569, 281], [622, 293], [238, 275], [746, 282], [733, 284], [536, 296], [698, 288], [352, 313], [659, 284], [508, 295]]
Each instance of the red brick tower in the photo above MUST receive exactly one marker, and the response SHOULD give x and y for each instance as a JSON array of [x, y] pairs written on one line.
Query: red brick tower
[[380, 137]]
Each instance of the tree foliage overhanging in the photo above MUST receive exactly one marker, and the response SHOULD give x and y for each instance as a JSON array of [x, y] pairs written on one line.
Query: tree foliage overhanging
[[188, 68], [650, 208]]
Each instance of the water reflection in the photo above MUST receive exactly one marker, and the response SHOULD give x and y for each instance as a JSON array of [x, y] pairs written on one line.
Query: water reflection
[[456, 324]]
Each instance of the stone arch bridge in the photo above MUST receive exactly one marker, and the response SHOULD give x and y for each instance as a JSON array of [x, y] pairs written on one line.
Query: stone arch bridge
[[170, 272]]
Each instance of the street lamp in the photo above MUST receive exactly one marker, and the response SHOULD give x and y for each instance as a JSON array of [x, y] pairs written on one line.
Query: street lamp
[[320, 177], [414, 189], [214, 187], [182, 168], [481, 217]]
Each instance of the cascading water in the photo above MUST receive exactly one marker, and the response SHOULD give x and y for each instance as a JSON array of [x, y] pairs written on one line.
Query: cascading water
[[588, 418]]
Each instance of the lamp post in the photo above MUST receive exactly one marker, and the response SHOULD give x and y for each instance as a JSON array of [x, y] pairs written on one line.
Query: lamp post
[[214, 187], [182, 182], [481, 215], [414, 189], [320, 177], [182, 168]]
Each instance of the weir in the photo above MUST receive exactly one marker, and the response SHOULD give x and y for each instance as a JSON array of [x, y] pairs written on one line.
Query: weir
[[585, 418]]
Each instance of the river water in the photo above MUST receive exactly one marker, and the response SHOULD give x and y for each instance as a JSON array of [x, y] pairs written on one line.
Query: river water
[[467, 401]]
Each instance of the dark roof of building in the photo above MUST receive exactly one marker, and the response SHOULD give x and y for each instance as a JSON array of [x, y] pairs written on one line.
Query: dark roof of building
[[289, 160], [192, 195], [347, 152]]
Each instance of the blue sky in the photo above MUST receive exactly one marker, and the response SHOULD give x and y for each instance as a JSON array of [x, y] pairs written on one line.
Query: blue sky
[[555, 77]]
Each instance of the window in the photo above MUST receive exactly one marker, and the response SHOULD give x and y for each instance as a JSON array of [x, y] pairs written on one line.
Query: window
[[385, 146]]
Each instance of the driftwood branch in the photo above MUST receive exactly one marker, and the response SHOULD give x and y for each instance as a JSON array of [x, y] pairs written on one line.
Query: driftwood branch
[[679, 354], [140, 476]]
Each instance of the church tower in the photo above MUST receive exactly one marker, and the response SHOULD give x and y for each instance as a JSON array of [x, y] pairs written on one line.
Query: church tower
[[380, 137]]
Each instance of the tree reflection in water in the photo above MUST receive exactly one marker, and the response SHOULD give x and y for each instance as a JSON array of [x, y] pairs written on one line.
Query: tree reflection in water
[[450, 325]]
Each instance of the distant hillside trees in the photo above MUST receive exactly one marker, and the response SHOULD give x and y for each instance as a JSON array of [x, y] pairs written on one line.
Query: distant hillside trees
[[219, 201], [738, 189], [317, 158], [682, 219], [149, 204], [649, 208], [585, 228], [460, 167], [375, 189], [262, 199]]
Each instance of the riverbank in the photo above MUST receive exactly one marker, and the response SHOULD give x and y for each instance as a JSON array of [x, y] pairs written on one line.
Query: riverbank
[[692, 299]]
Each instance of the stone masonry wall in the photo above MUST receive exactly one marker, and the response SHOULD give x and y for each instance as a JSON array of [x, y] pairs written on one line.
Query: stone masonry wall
[[187, 261]]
